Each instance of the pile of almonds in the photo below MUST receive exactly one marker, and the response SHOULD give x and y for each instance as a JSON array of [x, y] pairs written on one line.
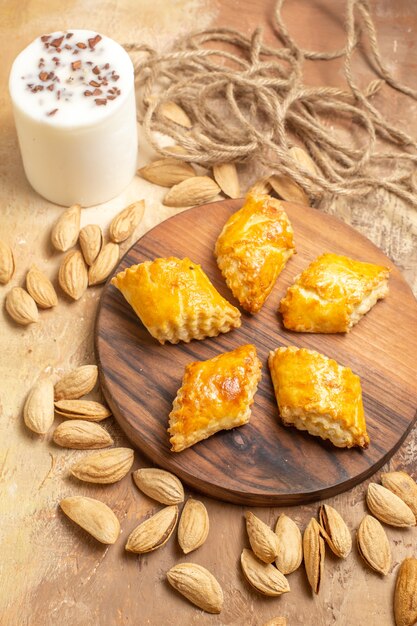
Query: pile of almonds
[[273, 555], [187, 188], [91, 265]]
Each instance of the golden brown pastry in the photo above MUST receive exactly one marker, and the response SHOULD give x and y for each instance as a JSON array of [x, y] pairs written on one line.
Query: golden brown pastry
[[316, 394], [215, 395], [332, 294], [253, 248], [175, 300]]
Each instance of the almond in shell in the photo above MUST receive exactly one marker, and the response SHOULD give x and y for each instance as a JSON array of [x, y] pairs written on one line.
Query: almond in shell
[[108, 466], [21, 306], [194, 526], [38, 412], [403, 486], [93, 516], [167, 172], [314, 553], [40, 288], [76, 383], [225, 175], [373, 545], [7, 265], [175, 113], [81, 435], [304, 159], [154, 532], [176, 149], [405, 595], [72, 275], [191, 192], [388, 507], [261, 187], [198, 585], [160, 485], [123, 225], [104, 264], [262, 539], [65, 232], [82, 409], [287, 189], [264, 577], [91, 240], [290, 545], [335, 531]]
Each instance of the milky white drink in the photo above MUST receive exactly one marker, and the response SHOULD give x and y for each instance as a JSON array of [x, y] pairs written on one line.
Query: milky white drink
[[74, 106]]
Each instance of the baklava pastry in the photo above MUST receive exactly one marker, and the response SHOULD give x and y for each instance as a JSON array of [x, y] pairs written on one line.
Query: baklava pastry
[[316, 394], [253, 248], [332, 294], [215, 395], [175, 300]]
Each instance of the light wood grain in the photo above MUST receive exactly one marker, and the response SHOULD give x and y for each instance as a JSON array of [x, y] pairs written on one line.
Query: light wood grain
[[51, 572]]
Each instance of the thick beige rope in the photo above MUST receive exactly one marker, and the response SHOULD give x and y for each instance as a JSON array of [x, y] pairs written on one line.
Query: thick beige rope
[[251, 105]]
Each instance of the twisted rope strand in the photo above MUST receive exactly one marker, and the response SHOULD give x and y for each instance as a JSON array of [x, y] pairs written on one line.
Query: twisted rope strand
[[250, 104]]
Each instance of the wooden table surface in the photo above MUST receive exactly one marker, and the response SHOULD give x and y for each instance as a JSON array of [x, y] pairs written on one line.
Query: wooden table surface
[[51, 572]]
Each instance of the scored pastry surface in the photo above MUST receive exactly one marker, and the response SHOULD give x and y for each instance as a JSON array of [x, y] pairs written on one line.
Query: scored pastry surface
[[253, 248], [215, 395], [175, 300], [316, 394], [332, 294]]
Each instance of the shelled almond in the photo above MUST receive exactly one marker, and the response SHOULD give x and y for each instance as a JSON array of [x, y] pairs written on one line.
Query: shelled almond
[[76, 383], [198, 585], [40, 288], [73, 276], [82, 409], [93, 516], [192, 191], [263, 540], [154, 532], [160, 485], [261, 186], [403, 486], [104, 264], [405, 596], [290, 545], [91, 240], [175, 113], [105, 467], [38, 412], [304, 159], [225, 175], [288, 189], [373, 545], [7, 264], [167, 172], [264, 577], [81, 435], [21, 307], [123, 225], [314, 552], [194, 526], [335, 531], [65, 232], [388, 507]]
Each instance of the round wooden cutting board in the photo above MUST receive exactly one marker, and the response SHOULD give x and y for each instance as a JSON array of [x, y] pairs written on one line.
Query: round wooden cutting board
[[261, 463]]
